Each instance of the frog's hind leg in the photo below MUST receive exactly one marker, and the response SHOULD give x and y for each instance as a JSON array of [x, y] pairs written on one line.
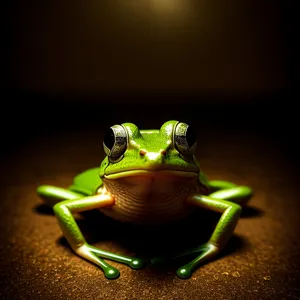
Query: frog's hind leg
[[229, 191], [84, 184], [52, 194], [216, 185], [64, 212]]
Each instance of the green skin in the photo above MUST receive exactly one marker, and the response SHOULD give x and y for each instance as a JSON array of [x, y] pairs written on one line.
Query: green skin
[[148, 153]]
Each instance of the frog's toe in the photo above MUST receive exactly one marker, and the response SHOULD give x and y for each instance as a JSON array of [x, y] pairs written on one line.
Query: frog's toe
[[184, 272], [111, 273], [137, 263]]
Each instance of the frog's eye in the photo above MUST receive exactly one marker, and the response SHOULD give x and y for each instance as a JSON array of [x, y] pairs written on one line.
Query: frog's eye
[[185, 139], [115, 142]]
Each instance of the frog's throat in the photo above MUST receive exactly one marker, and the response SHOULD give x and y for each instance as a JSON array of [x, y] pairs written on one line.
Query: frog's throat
[[131, 173]]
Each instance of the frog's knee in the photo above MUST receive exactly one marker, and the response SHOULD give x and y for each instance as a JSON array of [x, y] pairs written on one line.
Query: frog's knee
[[52, 194], [47, 195], [238, 194], [57, 208], [42, 190]]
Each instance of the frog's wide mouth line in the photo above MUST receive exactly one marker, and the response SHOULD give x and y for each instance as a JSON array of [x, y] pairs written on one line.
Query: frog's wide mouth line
[[132, 173]]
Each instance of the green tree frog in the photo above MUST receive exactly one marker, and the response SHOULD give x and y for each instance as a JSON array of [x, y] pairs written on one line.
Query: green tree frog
[[147, 177]]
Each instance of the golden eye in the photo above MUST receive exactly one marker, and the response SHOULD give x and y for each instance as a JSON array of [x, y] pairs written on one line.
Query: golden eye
[[115, 142], [185, 139]]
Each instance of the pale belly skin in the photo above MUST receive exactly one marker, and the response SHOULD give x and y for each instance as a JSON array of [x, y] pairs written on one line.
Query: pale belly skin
[[152, 199]]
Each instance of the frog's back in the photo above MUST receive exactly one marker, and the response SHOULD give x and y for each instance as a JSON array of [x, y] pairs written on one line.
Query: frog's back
[[87, 182]]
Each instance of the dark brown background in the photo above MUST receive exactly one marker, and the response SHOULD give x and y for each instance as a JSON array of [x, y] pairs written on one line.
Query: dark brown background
[[72, 69]]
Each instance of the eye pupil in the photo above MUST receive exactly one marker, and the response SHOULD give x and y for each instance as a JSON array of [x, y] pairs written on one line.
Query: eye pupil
[[190, 136], [109, 139]]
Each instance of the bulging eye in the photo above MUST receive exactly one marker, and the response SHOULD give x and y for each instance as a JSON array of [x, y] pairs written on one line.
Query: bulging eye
[[185, 139], [115, 142]]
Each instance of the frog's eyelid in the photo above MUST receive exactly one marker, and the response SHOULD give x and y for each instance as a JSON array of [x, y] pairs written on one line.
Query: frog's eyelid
[[130, 141], [127, 135]]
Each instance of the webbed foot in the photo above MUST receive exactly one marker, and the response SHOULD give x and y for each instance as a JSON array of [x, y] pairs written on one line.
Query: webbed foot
[[204, 252], [86, 252], [93, 254]]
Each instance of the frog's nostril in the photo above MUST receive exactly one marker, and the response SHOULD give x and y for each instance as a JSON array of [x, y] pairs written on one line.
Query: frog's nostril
[[163, 152], [143, 152]]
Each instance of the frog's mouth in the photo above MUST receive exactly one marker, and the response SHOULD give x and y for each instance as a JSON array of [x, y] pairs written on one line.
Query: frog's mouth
[[150, 173]]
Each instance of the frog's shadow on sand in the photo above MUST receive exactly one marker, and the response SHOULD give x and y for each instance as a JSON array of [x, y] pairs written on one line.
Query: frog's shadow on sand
[[150, 241]]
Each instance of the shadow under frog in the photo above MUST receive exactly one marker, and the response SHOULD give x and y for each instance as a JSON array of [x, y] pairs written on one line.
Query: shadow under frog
[[149, 241]]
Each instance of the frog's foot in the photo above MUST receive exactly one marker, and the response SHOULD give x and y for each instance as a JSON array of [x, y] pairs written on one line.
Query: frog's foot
[[204, 252], [208, 251], [63, 212], [92, 253], [85, 252]]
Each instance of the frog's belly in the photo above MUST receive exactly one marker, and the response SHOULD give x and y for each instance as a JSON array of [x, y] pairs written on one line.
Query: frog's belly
[[136, 211], [149, 200]]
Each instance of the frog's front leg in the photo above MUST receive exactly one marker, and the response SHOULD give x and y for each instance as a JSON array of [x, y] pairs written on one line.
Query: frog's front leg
[[223, 231], [63, 211]]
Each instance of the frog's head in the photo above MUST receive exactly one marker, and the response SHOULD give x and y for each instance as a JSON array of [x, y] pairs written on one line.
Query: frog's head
[[133, 152]]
